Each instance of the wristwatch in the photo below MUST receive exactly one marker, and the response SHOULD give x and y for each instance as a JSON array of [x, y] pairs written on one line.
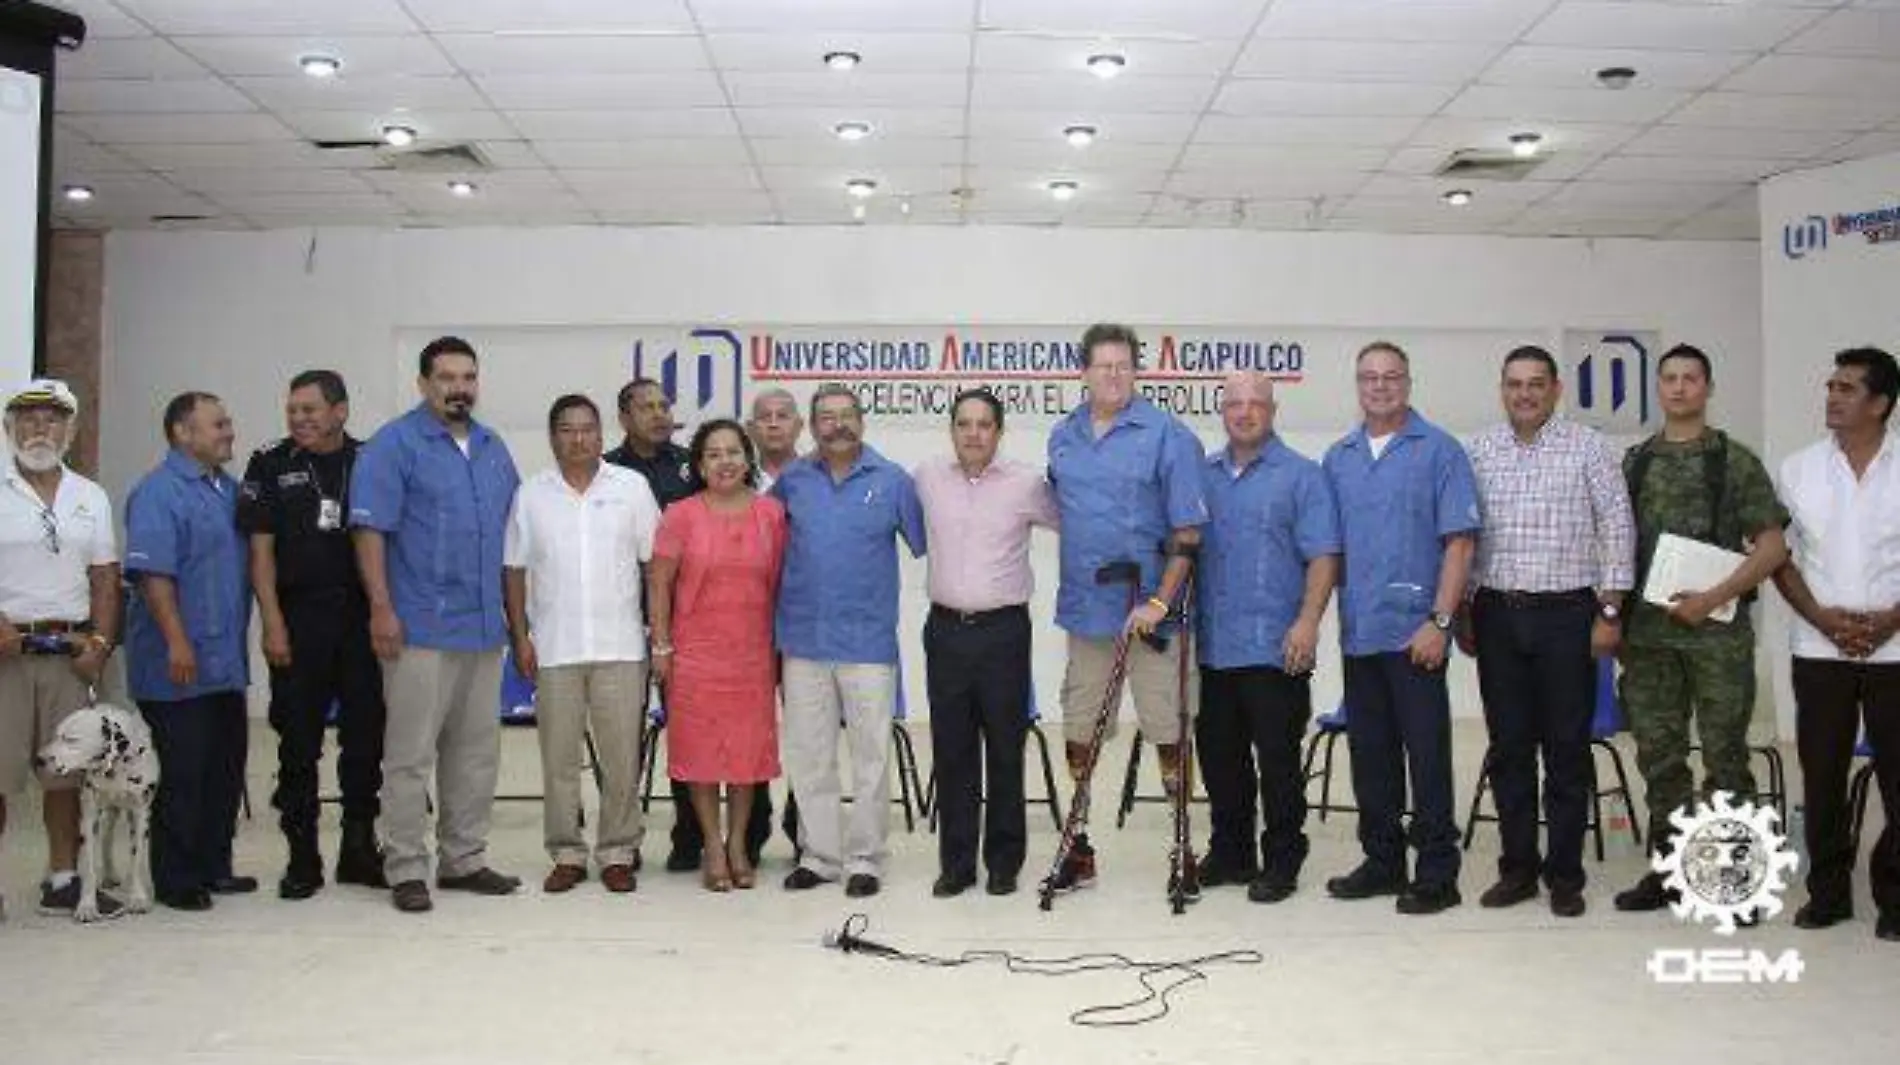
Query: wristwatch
[[1610, 612], [1441, 621]]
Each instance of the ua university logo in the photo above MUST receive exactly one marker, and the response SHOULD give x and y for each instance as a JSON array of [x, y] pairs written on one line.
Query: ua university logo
[[701, 377], [1807, 235], [1613, 378]]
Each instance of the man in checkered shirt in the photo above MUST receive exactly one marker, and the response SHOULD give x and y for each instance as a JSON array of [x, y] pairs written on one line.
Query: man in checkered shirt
[[1555, 559]]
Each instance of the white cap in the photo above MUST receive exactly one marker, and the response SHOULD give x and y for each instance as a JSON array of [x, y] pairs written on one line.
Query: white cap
[[45, 392]]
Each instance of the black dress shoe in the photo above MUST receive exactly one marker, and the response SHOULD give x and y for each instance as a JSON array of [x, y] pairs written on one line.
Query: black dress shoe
[[232, 885], [1509, 891], [861, 886], [1648, 894], [1814, 915], [950, 885], [1219, 872], [1567, 902], [1365, 882], [682, 861], [1887, 928], [297, 885], [1423, 899], [411, 896], [1271, 887], [189, 901], [1001, 884], [803, 879], [483, 881]]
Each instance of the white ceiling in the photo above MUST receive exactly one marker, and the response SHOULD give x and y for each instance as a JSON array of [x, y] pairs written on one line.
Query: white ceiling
[[1280, 114]]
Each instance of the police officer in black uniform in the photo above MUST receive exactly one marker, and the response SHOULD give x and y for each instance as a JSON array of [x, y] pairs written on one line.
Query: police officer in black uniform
[[646, 417], [295, 507]]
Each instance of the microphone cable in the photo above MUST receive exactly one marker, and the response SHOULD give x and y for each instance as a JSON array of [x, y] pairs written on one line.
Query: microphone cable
[[1159, 979]]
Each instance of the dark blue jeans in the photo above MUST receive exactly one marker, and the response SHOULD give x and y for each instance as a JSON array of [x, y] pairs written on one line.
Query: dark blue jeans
[[201, 745], [1398, 719]]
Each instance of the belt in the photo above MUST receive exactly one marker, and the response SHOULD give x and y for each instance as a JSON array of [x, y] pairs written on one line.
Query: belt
[[975, 617], [51, 628], [1538, 600]]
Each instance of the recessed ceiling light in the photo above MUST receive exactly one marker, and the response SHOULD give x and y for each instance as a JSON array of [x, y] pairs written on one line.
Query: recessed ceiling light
[[399, 136], [1616, 77], [852, 131], [462, 188], [77, 193], [860, 187], [1458, 197], [1064, 190], [1525, 145], [1107, 64], [1079, 136], [843, 60], [857, 211], [320, 66]]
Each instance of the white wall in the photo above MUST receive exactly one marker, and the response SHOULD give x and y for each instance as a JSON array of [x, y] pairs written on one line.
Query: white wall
[[238, 313], [1817, 300]]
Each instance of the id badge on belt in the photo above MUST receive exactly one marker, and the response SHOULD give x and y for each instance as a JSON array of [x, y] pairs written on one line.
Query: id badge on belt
[[329, 515]]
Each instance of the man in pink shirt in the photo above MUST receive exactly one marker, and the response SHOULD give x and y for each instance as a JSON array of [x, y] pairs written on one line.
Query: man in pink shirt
[[978, 511]]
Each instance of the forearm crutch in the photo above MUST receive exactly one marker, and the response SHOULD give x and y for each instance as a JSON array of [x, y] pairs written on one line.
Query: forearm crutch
[[1180, 854], [1113, 573]]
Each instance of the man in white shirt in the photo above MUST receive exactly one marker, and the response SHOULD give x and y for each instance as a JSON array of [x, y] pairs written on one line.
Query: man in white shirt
[[1843, 580], [774, 425], [59, 614], [577, 539]]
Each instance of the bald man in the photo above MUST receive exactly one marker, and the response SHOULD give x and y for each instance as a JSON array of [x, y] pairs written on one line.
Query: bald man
[[1269, 560]]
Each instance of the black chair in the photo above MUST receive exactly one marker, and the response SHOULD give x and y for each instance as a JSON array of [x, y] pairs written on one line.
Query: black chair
[[1328, 728], [1858, 792], [1131, 795], [1049, 796]]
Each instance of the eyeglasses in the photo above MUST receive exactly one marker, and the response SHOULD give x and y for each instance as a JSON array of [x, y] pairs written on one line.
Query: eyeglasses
[[49, 525], [1374, 380]]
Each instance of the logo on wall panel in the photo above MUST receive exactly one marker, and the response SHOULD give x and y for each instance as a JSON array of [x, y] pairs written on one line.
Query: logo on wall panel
[[1799, 239], [1612, 369], [702, 380]]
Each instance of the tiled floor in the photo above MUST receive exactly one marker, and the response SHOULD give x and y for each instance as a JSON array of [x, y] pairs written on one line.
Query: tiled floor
[[674, 974]]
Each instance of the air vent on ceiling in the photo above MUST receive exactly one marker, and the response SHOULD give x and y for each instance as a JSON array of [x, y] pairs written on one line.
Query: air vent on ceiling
[[345, 146], [1480, 165], [441, 159], [169, 219]]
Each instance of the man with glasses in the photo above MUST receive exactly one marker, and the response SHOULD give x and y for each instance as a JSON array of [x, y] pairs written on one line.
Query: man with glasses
[[59, 615], [1127, 479], [1408, 512]]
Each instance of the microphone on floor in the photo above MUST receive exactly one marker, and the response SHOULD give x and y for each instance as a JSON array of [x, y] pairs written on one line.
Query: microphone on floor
[[846, 939]]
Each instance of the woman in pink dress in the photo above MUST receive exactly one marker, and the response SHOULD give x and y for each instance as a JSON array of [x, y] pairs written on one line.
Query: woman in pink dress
[[710, 591]]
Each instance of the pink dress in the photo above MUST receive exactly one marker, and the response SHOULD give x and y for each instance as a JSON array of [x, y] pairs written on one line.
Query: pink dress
[[722, 714]]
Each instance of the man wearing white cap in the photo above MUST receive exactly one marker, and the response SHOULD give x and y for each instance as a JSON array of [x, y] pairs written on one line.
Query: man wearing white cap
[[59, 613]]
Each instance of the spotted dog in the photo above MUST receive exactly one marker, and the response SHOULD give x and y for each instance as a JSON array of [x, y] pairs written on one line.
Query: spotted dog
[[111, 749]]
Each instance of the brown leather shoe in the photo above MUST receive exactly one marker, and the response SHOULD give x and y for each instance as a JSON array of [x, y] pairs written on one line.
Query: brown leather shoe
[[563, 877], [411, 896], [618, 879]]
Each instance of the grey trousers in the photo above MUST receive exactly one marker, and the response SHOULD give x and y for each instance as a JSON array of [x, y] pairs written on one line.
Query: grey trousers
[[444, 725], [608, 699]]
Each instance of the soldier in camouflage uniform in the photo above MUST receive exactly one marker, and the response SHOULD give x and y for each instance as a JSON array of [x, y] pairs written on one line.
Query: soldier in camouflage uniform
[[1694, 481]]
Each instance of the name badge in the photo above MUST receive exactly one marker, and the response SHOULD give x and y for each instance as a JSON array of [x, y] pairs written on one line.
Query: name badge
[[329, 515]]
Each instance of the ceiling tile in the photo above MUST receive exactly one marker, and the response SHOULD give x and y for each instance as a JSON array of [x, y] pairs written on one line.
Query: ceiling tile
[[432, 127], [1643, 195], [129, 96], [104, 20], [1564, 105], [288, 154], [510, 53], [1406, 61], [1081, 91], [553, 17], [613, 125], [1748, 110], [1804, 74], [891, 180], [129, 57], [179, 129], [654, 151], [1034, 184], [1014, 53], [1879, 142], [1012, 124], [1251, 156], [1191, 18], [372, 93], [910, 16], [1259, 96], [72, 156], [601, 185], [877, 151], [909, 123], [145, 193], [219, 181], [827, 88], [1559, 137], [1279, 183], [1874, 34], [1742, 143], [1553, 67], [1053, 152], [256, 17], [557, 92], [803, 53], [1692, 169], [1707, 27], [1348, 130], [248, 203], [675, 205], [1454, 21], [362, 57], [1719, 225], [1427, 191]]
